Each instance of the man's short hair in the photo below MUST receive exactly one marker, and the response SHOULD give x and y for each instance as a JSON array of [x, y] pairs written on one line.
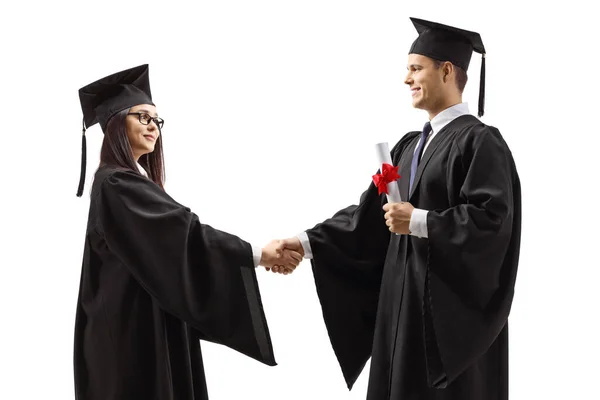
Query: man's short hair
[[461, 75]]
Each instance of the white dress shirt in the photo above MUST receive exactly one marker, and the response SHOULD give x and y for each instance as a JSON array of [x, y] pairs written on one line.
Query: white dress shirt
[[418, 221], [141, 169], [256, 250]]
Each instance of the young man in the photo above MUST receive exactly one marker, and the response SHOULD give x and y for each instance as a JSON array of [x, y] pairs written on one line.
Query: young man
[[430, 305]]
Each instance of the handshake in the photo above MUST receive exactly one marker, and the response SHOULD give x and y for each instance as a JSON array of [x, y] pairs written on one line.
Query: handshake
[[282, 256]]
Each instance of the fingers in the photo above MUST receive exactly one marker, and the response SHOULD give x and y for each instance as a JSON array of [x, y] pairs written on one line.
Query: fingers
[[283, 256], [399, 227], [292, 243], [388, 207], [294, 255], [289, 265], [396, 226], [396, 216], [391, 206], [290, 259], [282, 245], [279, 248], [281, 269]]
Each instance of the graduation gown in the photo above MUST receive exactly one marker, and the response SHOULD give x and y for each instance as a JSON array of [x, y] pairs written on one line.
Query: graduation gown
[[154, 281], [430, 312]]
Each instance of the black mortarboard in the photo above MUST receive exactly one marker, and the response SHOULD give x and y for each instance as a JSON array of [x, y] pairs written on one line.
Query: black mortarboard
[[106, 97], [446, 43]]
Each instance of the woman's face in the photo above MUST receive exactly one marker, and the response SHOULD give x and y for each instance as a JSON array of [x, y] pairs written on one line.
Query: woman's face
[[142, 138]]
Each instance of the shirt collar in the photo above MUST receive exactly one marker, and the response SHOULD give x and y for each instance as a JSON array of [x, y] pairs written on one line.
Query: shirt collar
[[142, 170], [448, 115]]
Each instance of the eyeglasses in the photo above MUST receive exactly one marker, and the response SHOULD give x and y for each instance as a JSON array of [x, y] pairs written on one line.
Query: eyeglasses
[[145, 119]]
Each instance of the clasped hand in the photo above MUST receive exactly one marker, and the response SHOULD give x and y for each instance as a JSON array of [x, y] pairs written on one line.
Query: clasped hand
[[397, 217], [282, 256]]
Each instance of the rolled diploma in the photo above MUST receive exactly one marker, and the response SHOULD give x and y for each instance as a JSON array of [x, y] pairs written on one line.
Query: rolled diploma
[[383, 156]]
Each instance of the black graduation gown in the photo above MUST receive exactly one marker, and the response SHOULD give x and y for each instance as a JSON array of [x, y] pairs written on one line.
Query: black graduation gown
[[154, 281], [431, 312]]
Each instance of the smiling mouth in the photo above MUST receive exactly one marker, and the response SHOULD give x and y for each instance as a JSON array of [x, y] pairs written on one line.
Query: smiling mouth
[[414, 91], [150, 137]]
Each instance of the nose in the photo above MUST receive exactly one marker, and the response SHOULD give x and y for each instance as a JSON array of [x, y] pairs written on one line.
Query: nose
[[153, 129], [408, 79]]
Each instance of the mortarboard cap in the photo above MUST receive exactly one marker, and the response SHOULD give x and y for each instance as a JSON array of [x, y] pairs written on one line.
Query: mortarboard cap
[[106, 97], [446, 43]]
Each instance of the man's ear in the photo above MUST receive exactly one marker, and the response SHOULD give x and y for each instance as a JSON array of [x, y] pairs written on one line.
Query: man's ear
[[447, 69]]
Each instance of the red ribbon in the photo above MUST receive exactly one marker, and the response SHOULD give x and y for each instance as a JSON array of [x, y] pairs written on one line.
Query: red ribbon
[[388, 174]]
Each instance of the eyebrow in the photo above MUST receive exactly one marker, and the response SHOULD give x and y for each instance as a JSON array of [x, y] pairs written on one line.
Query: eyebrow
[[414, 66], [147, 112]]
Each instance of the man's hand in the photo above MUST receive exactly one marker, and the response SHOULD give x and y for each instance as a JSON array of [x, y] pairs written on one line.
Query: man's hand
[[275, 255], [397, 217], [285, 245]]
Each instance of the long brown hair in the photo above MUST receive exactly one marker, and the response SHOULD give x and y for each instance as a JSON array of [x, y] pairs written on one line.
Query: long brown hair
[[116, 150]]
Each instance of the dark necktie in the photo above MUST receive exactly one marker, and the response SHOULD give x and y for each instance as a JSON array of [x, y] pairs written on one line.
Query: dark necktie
[[419, 153]]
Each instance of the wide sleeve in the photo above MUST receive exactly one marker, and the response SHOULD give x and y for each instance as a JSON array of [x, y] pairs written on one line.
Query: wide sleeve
[[349, 251], [473, 251], [199, 274]]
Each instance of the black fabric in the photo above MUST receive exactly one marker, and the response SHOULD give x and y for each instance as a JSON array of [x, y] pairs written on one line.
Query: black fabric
[[481, 104], [446, 43], [431, 312], [83, 163], [102, 99], [154, 281]]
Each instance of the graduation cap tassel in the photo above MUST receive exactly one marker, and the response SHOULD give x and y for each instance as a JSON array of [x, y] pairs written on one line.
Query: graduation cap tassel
[[83, 162], [481, 86]]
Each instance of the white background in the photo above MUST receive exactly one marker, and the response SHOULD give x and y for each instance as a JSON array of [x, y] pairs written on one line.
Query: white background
[[272, 110]]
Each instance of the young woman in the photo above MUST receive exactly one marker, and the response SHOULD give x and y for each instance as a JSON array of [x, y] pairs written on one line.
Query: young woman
[[154, 279]]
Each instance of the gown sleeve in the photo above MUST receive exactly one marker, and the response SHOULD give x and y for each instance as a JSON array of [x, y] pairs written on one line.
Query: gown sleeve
[[201, 275], [473, 251], [349, 251]]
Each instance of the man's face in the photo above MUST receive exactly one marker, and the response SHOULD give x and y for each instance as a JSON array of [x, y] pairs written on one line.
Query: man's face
[[425, 82]]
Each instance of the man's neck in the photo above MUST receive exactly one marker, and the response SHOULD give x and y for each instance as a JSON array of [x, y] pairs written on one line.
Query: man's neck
[[444, 106]]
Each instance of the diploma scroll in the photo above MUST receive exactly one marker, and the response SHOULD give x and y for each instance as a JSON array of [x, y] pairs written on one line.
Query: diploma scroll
[[383, 156]]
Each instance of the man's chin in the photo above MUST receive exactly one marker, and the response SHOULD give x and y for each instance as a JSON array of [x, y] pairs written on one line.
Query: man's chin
[[417, 104]]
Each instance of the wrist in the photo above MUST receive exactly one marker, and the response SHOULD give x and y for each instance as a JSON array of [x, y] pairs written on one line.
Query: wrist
[[297, 246], [263, 256]]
